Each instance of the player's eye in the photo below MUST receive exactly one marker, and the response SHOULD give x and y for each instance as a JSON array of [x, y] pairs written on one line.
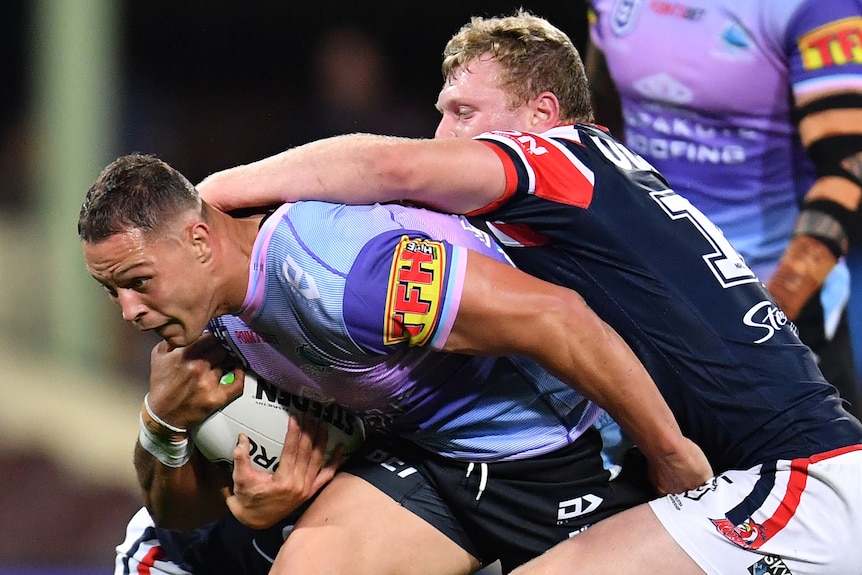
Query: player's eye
[[465, 112], [136, 284]]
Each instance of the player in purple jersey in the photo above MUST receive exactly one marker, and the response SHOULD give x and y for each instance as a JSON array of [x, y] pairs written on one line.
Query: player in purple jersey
[[363, 300], [753, 111], [574, 206]]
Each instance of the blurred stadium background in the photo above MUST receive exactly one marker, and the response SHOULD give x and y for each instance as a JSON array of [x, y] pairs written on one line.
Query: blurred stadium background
[[205, 85]]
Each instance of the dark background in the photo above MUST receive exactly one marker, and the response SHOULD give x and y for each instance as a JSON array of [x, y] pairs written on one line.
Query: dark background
[[209, 84]]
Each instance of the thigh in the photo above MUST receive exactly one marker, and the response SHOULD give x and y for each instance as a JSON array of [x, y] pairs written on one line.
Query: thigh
[[516, 510], [631, 542], [352, 527]]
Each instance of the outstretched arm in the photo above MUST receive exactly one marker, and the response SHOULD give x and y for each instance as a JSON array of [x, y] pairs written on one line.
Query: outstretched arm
[[505, 311], [449, 175]]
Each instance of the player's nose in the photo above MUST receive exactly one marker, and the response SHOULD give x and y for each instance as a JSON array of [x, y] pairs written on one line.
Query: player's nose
[[445, 129], [131, 306]]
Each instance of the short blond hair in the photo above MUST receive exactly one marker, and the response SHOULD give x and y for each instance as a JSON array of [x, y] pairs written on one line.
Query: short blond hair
[[536, 57]]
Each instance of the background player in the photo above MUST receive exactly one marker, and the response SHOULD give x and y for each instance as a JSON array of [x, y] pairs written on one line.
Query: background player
[[753, 111], [576, 207]]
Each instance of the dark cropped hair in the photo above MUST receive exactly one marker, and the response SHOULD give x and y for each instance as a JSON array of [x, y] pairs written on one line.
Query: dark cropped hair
[[136, 191]]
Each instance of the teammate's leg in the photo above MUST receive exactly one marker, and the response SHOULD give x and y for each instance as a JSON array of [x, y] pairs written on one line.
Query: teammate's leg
[[352, 527]]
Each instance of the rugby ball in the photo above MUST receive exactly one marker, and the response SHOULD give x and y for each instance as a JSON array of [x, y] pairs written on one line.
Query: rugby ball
[[262, 413]]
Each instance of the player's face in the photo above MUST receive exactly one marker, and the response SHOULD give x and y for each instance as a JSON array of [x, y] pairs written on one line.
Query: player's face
[[158, 282], [472, 102]]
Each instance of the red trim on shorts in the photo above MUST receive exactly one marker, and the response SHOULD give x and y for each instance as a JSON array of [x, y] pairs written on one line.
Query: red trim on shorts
[[149, 561], [834, 453], [789, 503], [795, 487]]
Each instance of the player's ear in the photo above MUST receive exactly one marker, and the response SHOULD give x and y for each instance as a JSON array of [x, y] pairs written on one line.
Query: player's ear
[[201, 240], [546, 112]]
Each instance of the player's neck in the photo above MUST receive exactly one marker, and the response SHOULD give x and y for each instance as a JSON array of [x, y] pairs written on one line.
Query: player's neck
[[236, 237]]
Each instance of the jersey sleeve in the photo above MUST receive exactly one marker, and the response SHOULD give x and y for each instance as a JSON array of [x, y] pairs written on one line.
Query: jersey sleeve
[[403, 289], [823, 44], [538, 164]]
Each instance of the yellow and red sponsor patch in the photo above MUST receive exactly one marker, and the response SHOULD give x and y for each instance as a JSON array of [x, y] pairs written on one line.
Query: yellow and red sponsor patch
[[415, 291], [835, 44]]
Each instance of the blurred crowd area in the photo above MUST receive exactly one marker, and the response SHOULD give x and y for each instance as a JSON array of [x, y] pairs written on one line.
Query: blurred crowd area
[[204, 85]]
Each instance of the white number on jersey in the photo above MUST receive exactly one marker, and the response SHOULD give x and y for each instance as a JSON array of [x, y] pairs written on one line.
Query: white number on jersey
[[724, 261]]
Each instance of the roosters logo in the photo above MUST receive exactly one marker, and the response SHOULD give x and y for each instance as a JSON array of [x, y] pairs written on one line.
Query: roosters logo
[[748, 534]]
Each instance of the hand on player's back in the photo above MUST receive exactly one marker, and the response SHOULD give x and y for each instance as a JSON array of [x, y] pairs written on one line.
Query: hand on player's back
[[185, 382], [260, 499]]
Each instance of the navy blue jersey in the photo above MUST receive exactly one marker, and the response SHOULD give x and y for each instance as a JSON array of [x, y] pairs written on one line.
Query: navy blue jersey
[[582, 211]]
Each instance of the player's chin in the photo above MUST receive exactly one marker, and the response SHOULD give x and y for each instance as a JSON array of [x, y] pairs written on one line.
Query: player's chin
[[175, 335]]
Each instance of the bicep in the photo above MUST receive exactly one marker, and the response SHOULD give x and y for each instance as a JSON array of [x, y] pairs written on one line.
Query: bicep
[[452, 175], [506, 311]]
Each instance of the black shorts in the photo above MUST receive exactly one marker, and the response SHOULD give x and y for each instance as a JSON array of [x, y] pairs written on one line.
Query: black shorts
[[511, 510]]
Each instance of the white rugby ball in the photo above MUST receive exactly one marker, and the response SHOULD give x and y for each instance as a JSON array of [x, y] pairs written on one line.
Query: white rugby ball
[[262, 413]]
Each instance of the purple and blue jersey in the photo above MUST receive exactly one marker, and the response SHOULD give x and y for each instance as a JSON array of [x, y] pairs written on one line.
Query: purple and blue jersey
[[351, 304], [711, 105]]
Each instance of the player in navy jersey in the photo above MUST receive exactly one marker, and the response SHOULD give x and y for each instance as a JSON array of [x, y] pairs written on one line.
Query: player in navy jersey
[[491, 457], [575, 207]]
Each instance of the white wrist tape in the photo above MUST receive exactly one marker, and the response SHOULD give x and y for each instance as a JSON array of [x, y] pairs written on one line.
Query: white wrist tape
[[170, 453], [158, 419]]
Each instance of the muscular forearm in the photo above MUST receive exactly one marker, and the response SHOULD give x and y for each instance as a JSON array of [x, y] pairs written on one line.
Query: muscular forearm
[[364, 169], [504, 311], [579, 348], [185, 497]]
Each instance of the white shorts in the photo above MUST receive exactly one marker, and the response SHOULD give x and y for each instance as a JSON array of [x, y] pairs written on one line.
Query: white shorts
[[140, 553], [790, 517]]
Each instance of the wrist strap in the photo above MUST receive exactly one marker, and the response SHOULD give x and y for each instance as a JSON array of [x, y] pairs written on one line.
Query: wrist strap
[[159, 420], [169, 453], [825, 221]]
